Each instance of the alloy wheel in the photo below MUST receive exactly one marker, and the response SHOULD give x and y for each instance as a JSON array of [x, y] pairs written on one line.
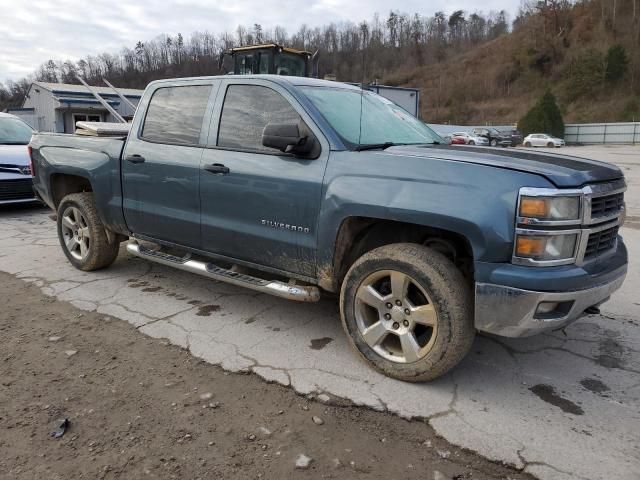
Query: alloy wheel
[[395, 316], [75, 232]]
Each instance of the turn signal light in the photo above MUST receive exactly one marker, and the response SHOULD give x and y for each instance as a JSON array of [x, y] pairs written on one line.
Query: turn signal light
[[530, 246], [533, 207]]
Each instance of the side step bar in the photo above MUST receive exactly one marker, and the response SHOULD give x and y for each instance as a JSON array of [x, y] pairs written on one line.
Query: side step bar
[[279, 289]]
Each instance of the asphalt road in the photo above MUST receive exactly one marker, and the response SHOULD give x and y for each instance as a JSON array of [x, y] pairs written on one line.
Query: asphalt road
[[559, 406]]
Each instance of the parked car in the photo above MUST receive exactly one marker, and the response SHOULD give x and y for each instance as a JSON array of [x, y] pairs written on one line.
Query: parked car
[[316, 185], [543, 140], [16, 183], [465, 138], [516, 136], [495, 137]]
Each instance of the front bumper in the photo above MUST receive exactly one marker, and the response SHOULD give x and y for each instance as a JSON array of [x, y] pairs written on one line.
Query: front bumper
[[17, 190], [512, 312]]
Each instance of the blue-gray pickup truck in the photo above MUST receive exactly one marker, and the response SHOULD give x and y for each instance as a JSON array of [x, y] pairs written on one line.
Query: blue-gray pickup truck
[[296, 186]]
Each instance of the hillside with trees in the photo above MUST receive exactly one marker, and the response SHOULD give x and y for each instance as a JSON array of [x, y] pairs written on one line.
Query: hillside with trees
[[472, 68]]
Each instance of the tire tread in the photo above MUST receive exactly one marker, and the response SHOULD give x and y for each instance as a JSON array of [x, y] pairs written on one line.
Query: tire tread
[[101, 252], [449, 287]]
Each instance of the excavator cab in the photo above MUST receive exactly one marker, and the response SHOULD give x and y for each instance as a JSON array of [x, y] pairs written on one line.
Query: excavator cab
[[271, 59]]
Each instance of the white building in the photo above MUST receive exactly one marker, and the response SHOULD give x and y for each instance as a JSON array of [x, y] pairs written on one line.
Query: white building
[[56, 107]]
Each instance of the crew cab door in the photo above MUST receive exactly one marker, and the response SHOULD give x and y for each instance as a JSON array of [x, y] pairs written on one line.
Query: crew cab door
[[259, 205], [161, 162]]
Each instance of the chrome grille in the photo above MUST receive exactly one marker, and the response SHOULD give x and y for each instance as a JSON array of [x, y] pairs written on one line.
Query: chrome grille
[[601, 242], [607, 206]]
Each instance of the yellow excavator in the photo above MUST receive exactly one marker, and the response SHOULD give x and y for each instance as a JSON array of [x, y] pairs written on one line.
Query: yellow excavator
[[270, 58]]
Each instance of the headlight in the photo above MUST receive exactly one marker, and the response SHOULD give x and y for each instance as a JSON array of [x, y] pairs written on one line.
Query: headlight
[[546, 248], [550, 208]]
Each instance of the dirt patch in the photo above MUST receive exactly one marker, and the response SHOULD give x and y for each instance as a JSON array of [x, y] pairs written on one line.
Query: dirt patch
[[594, 385], [152, 289], [611, 352], [207, 310], [320, 343], [140, 408], [548, 394]]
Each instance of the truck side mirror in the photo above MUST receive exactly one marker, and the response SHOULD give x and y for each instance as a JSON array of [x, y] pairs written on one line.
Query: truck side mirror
[[286, 137]]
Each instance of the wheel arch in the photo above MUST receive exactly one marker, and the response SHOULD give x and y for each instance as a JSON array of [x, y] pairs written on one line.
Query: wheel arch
[[358, 235], [63, 184]]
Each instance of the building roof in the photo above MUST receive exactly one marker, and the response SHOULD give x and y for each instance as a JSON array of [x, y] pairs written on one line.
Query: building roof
[[66, 88], [89, 101]]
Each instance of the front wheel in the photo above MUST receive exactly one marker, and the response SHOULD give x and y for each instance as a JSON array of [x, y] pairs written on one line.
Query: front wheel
[[82, 235], [472, 142], [494, 143], [408, 311]]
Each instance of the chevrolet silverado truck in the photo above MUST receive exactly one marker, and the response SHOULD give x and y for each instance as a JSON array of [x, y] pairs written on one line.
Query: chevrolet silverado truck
[[296, 186]]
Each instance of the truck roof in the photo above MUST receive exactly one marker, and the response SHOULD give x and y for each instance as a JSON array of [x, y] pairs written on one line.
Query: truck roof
[[280, 79]]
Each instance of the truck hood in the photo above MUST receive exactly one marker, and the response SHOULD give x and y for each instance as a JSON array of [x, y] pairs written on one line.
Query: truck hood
[[561, 170]]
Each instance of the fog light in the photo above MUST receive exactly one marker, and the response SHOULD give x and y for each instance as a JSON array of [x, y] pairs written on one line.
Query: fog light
[[553, 310], [546, 307]]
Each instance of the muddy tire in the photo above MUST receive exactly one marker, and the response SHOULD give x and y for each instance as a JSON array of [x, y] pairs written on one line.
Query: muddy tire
[[82, 235], [408, 311]]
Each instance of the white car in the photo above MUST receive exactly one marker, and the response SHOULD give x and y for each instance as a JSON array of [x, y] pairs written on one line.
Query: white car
[[470, 139], [542, 140]]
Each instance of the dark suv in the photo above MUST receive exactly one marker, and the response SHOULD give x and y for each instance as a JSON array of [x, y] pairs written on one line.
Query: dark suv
[[516, 136], [494, 136]]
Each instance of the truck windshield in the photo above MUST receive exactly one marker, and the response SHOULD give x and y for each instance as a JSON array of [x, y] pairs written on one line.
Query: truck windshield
[[382, 122], [14, 131]]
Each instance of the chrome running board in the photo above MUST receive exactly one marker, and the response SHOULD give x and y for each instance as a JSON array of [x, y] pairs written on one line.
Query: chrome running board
[[300, 293]]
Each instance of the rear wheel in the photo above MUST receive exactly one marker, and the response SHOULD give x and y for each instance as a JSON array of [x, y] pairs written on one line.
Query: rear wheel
[[408, 311], [471, 142], [550, 145], [527, 144], [494, 143], [82, 234]]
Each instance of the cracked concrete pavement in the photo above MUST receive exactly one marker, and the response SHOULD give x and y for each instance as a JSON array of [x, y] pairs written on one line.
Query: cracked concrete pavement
[[558, 406]]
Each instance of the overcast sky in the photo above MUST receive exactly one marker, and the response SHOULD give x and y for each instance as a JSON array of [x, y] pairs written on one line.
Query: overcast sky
[[33, 31]]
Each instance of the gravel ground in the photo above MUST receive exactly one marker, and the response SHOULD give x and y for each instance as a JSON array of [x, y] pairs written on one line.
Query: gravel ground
[[141, 408]]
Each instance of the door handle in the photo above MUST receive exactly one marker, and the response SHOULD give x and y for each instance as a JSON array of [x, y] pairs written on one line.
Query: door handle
[[135, 158], [217, 168]]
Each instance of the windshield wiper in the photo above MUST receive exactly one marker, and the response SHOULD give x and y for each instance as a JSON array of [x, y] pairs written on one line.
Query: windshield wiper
[[375, 146]]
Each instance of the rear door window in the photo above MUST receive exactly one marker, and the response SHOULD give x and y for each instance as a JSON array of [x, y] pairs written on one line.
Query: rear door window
[[175, 114], [246, 111]]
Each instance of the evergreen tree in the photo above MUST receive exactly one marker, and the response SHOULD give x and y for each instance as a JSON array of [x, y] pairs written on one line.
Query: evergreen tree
[[617, 63], [544, 117]]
